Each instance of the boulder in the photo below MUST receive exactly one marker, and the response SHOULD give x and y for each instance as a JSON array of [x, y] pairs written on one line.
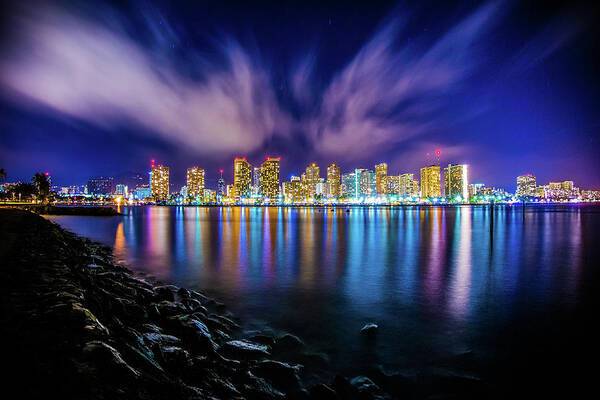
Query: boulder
[[321, 391], [281, 375], [244, 350], [369, 329], [288, 343]]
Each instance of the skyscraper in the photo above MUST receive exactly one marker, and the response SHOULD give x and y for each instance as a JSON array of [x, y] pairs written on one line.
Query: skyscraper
[[256, 181], [333, 180], [349, 186], [392, 183], [221, 185], [195, 182], [381, 171], [269, 178], [292, 190], [159, 182], [431, 181], [526, 186], [310, 180], [242, 177], [456, 182], [407, 185], [365, 182]]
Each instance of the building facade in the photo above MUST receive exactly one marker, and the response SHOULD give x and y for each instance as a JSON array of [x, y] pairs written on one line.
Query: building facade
[[159, 182], [270, 178], [310, 178], [381, 171], [431, 182], [195, 182], [242, 177], [526, 186], [456, 182], [334, 183], [100, 185]]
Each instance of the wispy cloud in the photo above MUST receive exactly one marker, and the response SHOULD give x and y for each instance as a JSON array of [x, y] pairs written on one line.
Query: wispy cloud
[[84, 70], [392, 90]]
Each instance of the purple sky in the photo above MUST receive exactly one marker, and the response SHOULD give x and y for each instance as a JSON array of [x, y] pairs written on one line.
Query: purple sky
[[91, 89]]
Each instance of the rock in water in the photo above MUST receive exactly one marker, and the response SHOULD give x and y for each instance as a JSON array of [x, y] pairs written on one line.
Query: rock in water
[[369, 329], [244, 350]]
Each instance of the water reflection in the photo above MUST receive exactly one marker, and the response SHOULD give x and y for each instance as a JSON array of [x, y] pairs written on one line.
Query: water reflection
[[434, 278]]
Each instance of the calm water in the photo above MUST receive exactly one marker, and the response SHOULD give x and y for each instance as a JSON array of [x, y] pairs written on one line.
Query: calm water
[[438, 281]]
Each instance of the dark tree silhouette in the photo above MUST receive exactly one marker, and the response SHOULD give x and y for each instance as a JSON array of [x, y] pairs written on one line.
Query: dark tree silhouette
[[42, 186], [2, 174]]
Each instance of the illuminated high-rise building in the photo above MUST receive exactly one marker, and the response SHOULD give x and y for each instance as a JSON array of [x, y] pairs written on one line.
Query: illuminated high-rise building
[[456, 182], [407, 185], [292, 190], [221, 191], [256, 181], [269, 178], [349, 186], [365, 182], [526, 186], [159, 182], [242, 177], [195, 182], [431, 181], [334, 180], [392, 183], [310, 179], [381, 171]]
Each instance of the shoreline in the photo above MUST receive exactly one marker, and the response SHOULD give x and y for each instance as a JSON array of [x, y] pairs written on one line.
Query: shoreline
[[89, 328]]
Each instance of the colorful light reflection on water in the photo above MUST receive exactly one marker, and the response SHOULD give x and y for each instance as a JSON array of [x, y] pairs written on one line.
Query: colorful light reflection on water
[[438, 280]]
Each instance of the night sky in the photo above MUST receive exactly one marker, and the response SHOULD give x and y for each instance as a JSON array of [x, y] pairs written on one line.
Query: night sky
[[101, 89]]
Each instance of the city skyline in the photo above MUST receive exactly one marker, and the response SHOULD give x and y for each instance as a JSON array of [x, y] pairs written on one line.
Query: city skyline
[[519, 93]]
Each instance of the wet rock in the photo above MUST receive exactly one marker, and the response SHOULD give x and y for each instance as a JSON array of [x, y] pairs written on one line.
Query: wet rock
[[175, 358], [166, 292], [262, 339], [106, 360], [258, 388], [288, 343], [159, 339], [169, 308], [183, 293], [343, 388], [369, 329], [321, 391], [282, 375], [367, 389], [193, 331], [244, 350]]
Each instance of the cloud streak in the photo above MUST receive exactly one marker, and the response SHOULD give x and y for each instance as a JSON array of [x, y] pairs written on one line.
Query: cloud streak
[[391, 91]]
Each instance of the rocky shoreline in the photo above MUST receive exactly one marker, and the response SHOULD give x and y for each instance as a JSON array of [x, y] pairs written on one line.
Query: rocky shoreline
[[78, 325], [47, 209]]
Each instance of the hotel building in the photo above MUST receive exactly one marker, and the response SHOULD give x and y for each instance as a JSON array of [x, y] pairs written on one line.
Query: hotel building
[[242, 177], [195, 182], [269, 178], [456, 182], [431, 181], [159, 182]]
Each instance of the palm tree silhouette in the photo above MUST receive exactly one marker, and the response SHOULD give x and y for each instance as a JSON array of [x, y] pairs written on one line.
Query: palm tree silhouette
[[42, 186]]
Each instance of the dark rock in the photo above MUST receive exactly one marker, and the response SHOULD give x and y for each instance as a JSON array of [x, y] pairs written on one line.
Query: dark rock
[[160, 339], [282, 375], [258, 388], [343, 388], [263, 339], [170, 308], [175, 358], [244, 350], [367, 389], [288, 343], [165, 292], [369, 329], [183, 293], [194, 331], [321, 391], [107, 361]]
